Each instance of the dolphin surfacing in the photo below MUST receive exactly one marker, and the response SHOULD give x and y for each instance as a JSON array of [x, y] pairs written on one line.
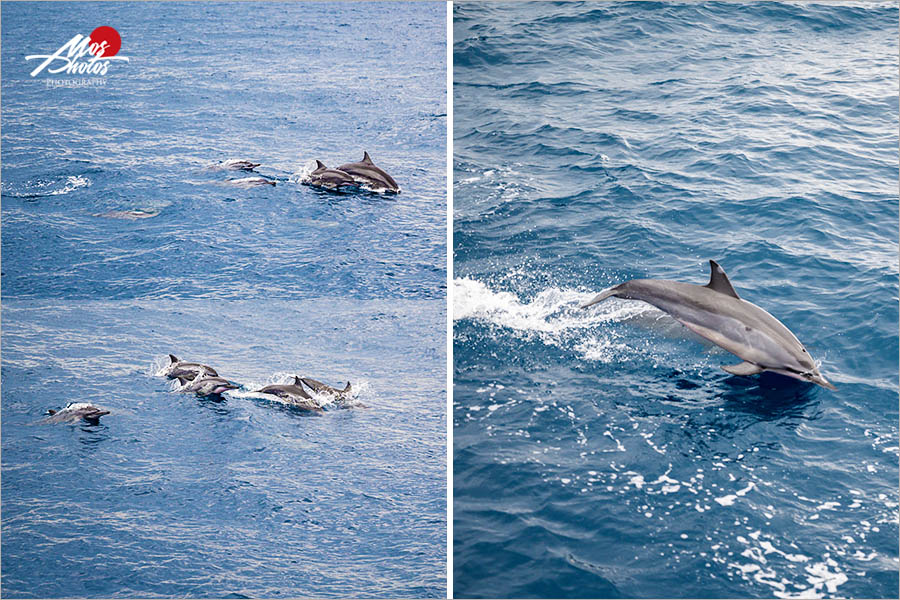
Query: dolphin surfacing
[[366, 172], [716, 312], [178, 368], [76, 411], [206, 385], [293, 394], [322, 388], [331, 179]]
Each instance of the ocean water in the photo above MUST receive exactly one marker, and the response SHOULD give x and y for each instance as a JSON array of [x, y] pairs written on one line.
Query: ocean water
[[120, 245], [604, 453]]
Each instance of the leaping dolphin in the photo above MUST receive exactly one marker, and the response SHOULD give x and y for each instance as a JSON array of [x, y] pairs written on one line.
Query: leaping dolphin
[[322, 388], [715, 312], [294, 394], [367, 173], [178, 368]]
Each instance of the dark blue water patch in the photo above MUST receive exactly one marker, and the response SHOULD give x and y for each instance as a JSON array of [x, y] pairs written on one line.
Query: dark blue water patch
[[604, 453], [122, 243], [175, 495], [125, 164]]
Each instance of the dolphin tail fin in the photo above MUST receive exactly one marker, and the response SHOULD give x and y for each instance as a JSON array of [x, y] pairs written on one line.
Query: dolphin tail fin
[[744, 368], [602, 296]]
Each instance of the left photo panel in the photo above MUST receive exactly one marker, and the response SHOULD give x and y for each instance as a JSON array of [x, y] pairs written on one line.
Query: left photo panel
[[224, 300]]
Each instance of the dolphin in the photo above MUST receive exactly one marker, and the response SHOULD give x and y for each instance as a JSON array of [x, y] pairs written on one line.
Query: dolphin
[[293, 393], [235, 165], [716, 312], [205, 385], [76, 411], [247, 182], [179, 368], [365, 172], [332, 179], [321, 388]]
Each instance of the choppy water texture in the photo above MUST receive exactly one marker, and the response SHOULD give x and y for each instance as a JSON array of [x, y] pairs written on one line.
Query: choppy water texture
[[120, 245], [604, 453]]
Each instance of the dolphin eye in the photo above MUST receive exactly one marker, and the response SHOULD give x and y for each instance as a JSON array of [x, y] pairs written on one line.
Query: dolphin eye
[[804, 349]]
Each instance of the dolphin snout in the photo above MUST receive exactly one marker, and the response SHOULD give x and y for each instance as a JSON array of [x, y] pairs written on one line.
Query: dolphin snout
[[816, 377]]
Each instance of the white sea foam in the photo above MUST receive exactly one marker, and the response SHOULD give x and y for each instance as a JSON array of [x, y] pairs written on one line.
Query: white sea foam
[[553, 316], [72, 183], [729, 499], [50, 187], [301, 175]]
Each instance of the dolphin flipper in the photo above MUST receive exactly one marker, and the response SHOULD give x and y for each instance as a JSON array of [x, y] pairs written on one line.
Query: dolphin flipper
[[744, 368]]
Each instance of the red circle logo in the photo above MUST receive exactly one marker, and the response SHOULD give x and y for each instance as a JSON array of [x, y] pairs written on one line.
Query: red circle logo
[[110, 36]]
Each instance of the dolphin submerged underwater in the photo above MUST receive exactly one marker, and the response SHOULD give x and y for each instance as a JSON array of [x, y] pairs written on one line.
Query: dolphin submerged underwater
[[715, 311]]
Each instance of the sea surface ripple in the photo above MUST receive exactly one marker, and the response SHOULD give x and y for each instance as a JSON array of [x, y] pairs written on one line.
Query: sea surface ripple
[[120, 245], [604, 453]]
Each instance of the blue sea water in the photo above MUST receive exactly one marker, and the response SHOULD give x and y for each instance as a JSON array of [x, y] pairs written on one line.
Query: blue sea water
[[121, 245], [604, 453]]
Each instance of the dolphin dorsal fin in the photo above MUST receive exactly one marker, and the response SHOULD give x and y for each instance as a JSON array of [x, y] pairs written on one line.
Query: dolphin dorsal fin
[[297, 380], [173, 358], [718, 280], [320, 164], [346, 389], [366, 158]]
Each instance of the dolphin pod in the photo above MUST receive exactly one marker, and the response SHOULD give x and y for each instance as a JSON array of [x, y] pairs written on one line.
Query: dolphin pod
[[364, 173], [205, 381], [716, 312], [296, 394]]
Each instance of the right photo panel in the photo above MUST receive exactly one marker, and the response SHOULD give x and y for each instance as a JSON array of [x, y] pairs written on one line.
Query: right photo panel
[[675, 300]]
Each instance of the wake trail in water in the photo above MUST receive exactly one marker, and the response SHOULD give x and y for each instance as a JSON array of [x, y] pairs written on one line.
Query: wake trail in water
[[555, 318]]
